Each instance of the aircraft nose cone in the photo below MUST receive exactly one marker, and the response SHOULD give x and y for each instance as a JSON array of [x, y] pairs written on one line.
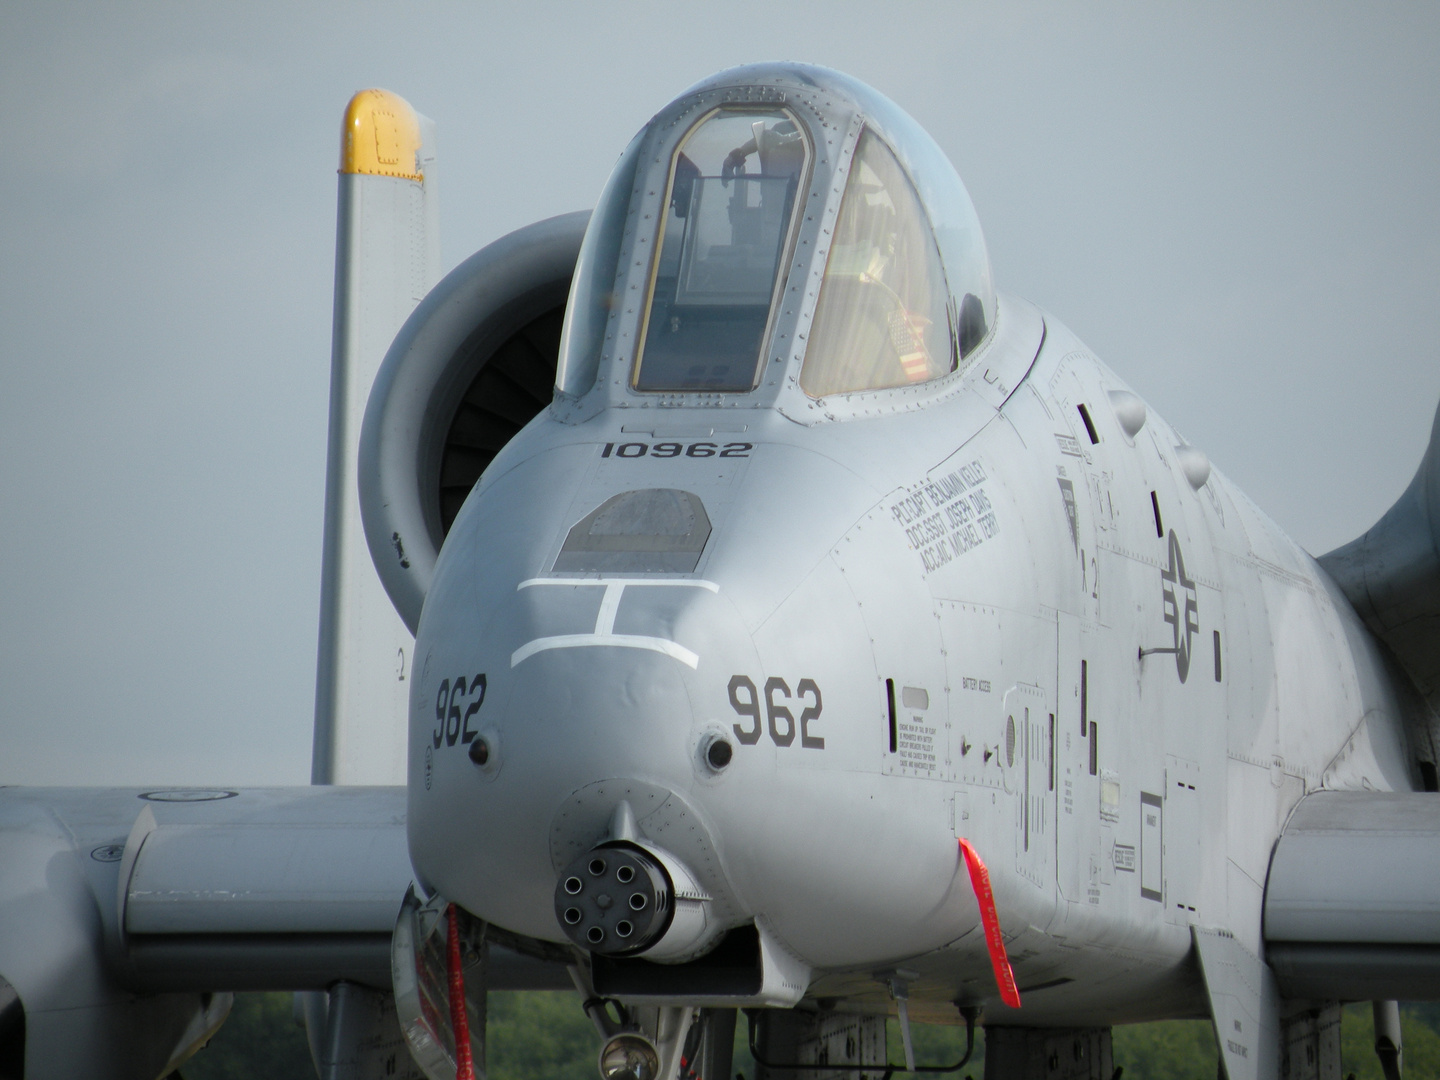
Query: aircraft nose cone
[[588, 680], [688, 675]]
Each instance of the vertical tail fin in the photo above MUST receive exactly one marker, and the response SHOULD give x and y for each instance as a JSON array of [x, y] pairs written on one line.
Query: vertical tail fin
[[387, 257]]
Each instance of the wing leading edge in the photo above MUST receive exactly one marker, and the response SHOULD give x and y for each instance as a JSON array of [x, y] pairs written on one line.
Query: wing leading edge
[[1352, 903], [128, 913]]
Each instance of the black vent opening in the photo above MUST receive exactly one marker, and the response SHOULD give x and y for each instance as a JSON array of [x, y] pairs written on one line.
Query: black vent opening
[[517, 381], [1428, 777], [890, 709]]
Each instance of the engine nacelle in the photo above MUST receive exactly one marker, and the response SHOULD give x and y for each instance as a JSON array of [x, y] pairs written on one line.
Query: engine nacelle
[[471, 366]]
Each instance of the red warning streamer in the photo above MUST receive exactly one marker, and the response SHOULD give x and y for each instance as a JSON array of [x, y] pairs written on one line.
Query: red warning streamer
[[980, 882], [459, 1021]]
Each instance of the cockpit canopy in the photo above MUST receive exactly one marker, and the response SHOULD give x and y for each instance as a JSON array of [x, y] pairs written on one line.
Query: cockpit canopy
[[777, 220], [723, 232]]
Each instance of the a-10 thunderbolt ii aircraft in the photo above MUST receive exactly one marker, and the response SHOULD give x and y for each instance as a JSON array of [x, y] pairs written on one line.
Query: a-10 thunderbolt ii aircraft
[[837, 640]]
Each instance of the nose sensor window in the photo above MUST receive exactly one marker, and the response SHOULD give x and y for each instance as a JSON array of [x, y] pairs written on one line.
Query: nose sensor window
[[655, 530], [727, 223]]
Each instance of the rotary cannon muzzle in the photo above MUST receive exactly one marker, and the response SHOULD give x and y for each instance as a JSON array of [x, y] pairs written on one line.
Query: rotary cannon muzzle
[[615, 899]]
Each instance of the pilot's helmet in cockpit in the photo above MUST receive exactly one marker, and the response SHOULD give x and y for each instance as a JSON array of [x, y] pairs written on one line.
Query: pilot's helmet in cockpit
[[778, 222], [779, 145]]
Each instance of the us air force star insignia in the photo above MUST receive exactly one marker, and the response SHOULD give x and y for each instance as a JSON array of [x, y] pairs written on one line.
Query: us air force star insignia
[[1174, 585]]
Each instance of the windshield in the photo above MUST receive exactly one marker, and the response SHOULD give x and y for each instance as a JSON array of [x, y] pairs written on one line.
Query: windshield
[[883, 317], [592, 290], [728, 218]]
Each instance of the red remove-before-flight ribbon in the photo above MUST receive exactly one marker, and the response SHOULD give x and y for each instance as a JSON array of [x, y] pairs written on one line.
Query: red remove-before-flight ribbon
[[980, 882], [459, 1022]]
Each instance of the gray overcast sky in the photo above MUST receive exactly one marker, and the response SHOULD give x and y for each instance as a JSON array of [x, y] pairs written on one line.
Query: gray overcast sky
[[1237, 207]]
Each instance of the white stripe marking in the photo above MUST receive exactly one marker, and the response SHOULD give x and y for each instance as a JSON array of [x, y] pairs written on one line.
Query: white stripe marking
[[624, 641], [605, 620]]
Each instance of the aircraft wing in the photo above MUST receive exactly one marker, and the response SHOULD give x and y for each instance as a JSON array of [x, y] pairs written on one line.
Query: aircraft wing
[[1352, 905], [125, 909]]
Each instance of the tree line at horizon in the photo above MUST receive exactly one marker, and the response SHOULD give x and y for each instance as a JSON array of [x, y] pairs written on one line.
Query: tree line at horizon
[[544, 1035]]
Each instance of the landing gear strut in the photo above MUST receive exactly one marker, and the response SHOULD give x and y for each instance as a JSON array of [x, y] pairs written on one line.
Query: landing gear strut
[[664, 1042]]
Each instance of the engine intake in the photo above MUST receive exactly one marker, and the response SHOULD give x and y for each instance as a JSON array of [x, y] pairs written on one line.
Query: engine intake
[[470, 367]]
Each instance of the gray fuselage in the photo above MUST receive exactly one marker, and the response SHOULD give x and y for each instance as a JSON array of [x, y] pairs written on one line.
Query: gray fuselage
[[958, 596]]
